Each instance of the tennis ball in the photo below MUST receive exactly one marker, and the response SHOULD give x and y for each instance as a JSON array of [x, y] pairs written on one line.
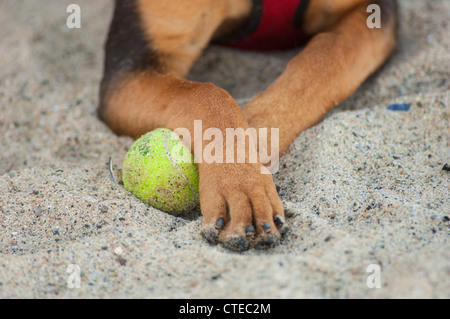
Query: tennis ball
[[160, 170]]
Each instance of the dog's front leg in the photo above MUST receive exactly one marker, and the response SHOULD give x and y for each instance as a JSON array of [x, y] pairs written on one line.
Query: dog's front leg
[[150, 47], [343, 53]]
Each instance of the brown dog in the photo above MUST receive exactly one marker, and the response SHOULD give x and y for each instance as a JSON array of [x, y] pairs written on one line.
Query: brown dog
[[152, 45]]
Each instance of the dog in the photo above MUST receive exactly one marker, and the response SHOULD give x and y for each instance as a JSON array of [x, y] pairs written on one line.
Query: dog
[[152, 44]]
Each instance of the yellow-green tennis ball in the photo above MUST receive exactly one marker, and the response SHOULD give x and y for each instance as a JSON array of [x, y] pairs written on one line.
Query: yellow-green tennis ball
[[160, 170]]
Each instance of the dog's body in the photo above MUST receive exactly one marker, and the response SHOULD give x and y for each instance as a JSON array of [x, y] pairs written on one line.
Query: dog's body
[[152, 45]]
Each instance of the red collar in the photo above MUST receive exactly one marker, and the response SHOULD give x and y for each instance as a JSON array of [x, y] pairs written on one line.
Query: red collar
[[273, 25]]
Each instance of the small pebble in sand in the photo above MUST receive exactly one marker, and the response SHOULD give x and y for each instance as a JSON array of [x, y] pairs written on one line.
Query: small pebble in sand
[[118, 251], [399, 107]]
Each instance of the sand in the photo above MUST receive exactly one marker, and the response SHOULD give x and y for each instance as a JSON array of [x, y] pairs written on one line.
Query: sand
[[366, 185]]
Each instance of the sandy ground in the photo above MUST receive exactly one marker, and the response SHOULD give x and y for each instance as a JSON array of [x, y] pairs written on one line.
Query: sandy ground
[[366, 184]]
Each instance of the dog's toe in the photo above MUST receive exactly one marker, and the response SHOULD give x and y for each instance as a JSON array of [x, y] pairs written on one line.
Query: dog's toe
[[239, 243], [266, 242], [211, 234]]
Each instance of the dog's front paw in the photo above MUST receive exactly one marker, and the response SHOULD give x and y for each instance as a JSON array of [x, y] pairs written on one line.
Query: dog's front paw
[[240, 206]]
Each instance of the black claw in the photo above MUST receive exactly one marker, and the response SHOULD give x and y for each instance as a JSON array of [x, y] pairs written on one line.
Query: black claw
[[279, 221], [220, 222], [250, 230], [266, 227]]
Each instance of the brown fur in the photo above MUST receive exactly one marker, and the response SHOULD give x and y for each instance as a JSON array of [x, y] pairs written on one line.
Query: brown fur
[[149, 91]]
